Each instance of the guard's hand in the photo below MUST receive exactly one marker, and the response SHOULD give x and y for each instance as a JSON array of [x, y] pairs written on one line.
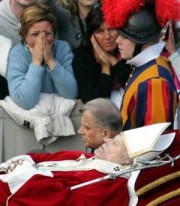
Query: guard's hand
[[170, 42]]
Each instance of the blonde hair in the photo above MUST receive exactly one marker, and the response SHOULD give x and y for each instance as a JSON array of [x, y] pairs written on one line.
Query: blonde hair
[[69, 5], [34, 14]]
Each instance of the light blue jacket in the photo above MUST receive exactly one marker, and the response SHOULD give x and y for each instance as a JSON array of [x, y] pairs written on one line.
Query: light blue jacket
[[26, 81]]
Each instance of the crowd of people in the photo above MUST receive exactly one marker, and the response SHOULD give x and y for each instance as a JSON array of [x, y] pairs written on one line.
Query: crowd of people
[[73, 49], [121, 58], [99, 75]]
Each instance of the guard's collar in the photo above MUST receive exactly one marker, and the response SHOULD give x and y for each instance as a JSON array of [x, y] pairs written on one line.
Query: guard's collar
[[147, 54]]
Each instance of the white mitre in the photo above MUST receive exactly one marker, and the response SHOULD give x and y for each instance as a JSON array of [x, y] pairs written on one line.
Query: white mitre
[[5, 46], [147, 142]]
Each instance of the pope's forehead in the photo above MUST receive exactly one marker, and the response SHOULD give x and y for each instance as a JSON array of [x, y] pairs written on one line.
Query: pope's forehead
[[118, 137]]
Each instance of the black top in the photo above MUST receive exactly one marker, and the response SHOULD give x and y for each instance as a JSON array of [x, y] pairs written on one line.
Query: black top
[[91, 82], [3, 88]]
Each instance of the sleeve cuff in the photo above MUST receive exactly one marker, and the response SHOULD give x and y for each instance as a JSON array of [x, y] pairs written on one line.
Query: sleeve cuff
[[174, 56]]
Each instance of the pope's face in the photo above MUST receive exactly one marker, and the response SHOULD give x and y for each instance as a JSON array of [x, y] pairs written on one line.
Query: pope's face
[[113, 150]]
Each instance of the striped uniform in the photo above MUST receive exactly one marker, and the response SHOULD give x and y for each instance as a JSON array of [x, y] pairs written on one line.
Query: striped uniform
[[150, 95]]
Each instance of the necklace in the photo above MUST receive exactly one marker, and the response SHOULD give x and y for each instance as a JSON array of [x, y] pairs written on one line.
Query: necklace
[[133, 68]]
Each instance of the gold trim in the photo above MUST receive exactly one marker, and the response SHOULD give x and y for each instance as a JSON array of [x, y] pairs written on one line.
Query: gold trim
[[157, 182], [163, 198]]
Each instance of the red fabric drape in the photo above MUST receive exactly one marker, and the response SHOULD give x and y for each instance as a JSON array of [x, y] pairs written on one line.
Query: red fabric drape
[[42, 190], [148, 176]]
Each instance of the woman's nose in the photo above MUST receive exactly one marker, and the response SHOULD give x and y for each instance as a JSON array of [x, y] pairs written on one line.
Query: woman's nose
[[107, 34]]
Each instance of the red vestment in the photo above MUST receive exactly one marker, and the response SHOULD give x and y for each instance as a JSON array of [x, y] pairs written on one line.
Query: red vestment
[[55, 191], [166, 180], [43, 190]]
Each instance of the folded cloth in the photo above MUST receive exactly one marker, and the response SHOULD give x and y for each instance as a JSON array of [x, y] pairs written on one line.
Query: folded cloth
[[50, 118], [4, 51]]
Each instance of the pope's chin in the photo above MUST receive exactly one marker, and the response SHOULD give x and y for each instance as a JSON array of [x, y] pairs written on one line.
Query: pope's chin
[[99, 153]]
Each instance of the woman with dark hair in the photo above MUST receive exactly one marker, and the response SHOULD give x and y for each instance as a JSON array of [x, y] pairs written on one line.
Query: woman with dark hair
[[96, 64]]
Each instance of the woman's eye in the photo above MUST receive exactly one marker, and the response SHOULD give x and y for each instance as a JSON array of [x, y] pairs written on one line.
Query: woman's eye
[[36, 34], [111, 29], [99, 31]]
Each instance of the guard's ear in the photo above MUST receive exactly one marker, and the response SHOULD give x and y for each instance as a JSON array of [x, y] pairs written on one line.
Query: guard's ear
[[107, 134]]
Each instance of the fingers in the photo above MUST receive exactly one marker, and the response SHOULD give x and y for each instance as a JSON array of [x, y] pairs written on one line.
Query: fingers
[[170, 27], [29, 47], [13, 165], [100, 54], [37, 51], [47, 49], [170, 42], [171, 35], [96, 46], [48, 54], [94, 42]]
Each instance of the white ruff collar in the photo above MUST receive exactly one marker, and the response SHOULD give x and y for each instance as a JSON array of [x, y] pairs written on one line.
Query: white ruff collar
[[147, 54]]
